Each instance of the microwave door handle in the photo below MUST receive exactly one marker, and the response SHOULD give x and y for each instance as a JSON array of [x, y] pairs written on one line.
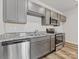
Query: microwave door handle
[[50, 20]]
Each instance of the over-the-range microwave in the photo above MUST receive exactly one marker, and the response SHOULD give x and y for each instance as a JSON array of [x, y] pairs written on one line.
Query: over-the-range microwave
[[54, 22]]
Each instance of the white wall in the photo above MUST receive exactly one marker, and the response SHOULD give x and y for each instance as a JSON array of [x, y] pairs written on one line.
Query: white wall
[[71, 26]]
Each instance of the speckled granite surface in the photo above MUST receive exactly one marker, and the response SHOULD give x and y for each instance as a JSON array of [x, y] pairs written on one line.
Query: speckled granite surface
[[16, 36]]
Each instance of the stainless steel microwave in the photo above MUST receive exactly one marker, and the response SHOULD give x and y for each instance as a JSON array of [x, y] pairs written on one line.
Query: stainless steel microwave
[[54, 22]]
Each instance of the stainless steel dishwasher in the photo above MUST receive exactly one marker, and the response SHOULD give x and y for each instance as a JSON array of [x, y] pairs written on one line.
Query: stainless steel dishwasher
[[16, 49]]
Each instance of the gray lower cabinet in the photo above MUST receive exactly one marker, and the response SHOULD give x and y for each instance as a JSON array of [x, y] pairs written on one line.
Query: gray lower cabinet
[[40, 48], [1, 52], [14, 11], [52, 43]]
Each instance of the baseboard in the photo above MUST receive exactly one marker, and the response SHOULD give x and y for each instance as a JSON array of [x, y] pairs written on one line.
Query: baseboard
[[71, 44]]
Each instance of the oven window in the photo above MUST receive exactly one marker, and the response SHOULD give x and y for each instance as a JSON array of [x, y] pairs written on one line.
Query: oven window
[[59, 39]]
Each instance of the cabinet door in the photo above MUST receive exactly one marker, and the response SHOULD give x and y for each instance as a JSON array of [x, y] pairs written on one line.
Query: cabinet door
[[52, 43], [22, 11], [35, 50], [10, 11], [1, 51], [59, 17], [53, 15], [35, 8], [46, 19], [63, 18], [40, 48], [48, 15], [46, 46], [15, 11]]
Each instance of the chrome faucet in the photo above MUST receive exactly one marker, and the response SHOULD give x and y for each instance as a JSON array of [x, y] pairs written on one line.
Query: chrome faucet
[[36, 32]]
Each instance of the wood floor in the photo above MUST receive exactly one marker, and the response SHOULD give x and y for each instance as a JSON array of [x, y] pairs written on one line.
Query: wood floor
[[70, 51]]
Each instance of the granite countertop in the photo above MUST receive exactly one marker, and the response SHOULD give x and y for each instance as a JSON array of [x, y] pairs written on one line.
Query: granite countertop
[[14, 36]]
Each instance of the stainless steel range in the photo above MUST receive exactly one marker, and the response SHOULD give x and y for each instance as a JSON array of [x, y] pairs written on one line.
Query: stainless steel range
[[59, 38]]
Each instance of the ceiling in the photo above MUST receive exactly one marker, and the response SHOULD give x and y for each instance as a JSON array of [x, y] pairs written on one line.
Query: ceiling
[[61, 5]]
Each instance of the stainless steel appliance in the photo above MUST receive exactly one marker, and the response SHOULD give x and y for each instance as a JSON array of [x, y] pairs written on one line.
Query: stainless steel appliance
[[50, 30], [16, 49], [54, 22], [59, 40]]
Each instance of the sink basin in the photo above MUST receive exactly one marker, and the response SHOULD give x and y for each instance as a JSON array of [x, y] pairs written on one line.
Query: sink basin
[[31, 34]]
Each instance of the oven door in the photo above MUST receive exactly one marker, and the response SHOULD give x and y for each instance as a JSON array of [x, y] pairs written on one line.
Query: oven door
[[59, 39]]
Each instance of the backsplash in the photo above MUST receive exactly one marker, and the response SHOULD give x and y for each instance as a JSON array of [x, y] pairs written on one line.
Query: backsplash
[[33, 23]]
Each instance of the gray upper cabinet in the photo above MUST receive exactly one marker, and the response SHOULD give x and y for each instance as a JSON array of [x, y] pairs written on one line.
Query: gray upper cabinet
[[59, 16], [46, 19], [54, 15], [22, 11], [63, 18], [10, 11], [14, 11], [35, 9]]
